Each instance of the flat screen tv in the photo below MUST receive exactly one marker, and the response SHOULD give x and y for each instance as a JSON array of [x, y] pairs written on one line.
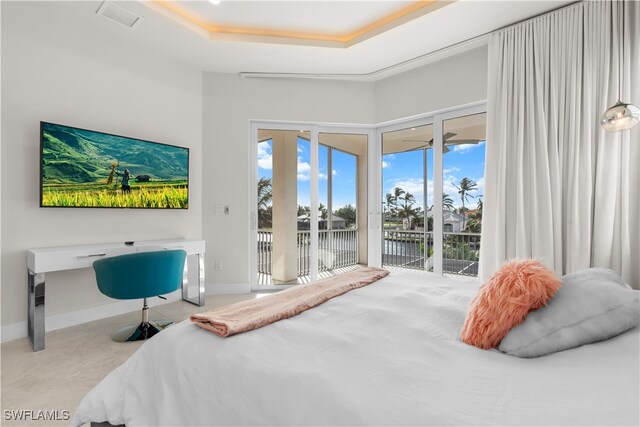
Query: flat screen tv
[[81, 168]]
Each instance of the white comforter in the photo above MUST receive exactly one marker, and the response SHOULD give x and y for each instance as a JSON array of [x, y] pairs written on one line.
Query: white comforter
[[386, 354]]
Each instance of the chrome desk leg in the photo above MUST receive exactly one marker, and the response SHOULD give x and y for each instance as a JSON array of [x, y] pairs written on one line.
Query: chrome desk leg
[[199, 300], [35, 309]]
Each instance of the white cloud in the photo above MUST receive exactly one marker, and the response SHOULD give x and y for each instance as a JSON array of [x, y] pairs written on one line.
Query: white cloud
[[449, 188], [480, 192], [334, 172], [410, 185], [450, 170], [385, 164], [304, 169], [265, 160], [463, 148], [414, 186]]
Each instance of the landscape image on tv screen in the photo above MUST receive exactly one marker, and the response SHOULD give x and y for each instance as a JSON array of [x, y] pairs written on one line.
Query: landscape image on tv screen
[[83, 168]]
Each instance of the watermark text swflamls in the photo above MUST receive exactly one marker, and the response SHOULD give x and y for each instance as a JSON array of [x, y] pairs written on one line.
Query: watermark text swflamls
[[36, 415]]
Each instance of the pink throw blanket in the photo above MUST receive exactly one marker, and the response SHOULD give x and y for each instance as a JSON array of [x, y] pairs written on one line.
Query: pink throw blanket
[[252, 314]]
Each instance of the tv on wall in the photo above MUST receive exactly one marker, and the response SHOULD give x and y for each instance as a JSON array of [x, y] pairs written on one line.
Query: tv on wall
[[87, 169]]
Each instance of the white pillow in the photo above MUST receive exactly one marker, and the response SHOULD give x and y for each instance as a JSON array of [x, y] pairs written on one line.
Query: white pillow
[[592, 305]]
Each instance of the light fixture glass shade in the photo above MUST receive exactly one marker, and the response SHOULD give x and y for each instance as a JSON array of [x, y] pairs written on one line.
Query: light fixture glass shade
[[620, 117]]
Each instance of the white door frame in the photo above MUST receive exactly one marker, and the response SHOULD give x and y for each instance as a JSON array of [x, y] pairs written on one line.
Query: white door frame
[[315, 129], [436, 119], [400, 125], [374, 178]]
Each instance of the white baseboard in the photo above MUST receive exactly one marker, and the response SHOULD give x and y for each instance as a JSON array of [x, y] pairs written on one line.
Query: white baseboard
[[18, 330], [227, 288], [13, 331]]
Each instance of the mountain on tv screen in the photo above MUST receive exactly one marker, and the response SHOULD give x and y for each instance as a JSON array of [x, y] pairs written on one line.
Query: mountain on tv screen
[[89, 169]]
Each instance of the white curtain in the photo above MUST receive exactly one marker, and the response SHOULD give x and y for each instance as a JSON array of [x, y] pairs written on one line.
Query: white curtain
[[558, 187]]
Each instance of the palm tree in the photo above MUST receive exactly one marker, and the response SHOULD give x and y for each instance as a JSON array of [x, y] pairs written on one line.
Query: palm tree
[[466, 185], [407, 210], [392, 200], [265, 195], [303, 210], [408, 199], [474, 223], [398, 193], [391, 204], [447, 202]]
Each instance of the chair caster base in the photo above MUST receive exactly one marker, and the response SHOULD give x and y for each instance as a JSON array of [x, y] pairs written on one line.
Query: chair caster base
[[141, 331]]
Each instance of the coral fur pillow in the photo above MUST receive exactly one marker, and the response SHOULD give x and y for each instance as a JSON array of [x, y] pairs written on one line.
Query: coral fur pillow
[[504, 301]]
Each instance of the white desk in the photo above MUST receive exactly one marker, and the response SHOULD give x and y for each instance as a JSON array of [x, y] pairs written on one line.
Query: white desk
[[45, 260]]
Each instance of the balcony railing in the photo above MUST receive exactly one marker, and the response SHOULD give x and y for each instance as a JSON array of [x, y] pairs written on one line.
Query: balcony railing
[[414, 249], [461, 252], [408, 249], [265, 246], [400, 248], [336, 249]]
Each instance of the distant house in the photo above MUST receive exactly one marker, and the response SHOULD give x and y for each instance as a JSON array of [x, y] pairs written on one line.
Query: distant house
[[452, 222], [143, 178], [338, 223]]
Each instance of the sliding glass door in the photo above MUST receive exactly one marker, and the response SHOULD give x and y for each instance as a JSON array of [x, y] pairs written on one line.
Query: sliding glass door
[[432, 176], [282, 187], [463, 154], [342, 198], [309, 204], [407, 184], [326, 199]]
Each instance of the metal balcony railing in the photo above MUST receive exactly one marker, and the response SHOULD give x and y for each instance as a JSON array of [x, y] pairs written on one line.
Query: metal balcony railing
[[400, 248], [408, 249], [265, 246], [460, 253], [336, 249], [414, 249]]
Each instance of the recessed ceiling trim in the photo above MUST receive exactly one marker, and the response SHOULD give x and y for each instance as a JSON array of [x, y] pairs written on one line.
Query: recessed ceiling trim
[[212, 30], [394, 20], [403, 66]]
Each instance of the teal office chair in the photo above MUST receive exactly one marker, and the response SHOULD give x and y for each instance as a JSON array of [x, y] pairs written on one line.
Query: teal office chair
[[140, 275]]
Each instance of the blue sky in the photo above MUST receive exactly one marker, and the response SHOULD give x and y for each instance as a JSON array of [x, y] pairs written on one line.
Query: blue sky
[[343, 171], [402, 170]]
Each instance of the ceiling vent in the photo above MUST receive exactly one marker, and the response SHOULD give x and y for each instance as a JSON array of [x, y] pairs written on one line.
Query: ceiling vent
[[119, 14]]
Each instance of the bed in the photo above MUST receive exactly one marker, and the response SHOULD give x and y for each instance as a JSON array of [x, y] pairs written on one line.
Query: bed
[[385, 354]]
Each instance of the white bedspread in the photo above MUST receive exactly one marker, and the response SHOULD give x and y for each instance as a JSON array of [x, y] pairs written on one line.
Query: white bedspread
[[386, 354]]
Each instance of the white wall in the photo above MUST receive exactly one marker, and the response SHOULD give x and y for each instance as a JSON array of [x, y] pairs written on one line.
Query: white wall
[[87, 74], [230, 102], [451, 82], [90, 73]]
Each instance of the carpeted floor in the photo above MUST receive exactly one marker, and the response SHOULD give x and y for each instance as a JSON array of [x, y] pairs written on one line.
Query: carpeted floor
[[74, 361]]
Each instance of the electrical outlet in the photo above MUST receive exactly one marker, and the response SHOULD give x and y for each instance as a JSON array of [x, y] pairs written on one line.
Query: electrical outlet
[[217, 265]]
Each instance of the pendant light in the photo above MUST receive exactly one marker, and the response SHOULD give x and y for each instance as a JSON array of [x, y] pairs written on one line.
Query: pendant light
[[621, 116]]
